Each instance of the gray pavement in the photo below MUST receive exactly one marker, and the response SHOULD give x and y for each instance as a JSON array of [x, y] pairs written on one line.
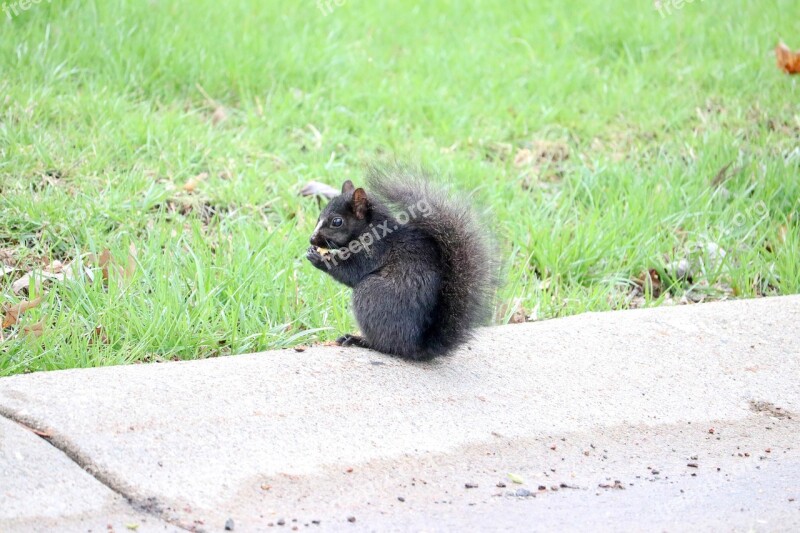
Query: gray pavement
[[663, 419], [44, 490]]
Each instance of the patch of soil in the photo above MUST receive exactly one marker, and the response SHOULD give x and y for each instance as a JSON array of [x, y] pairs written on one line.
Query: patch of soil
[[542, 161], [203, 209]]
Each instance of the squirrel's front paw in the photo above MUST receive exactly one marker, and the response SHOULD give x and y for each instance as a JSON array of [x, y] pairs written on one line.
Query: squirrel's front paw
[[313, 255]]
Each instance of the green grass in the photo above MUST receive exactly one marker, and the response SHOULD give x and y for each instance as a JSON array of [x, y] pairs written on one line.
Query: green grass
[[106, 111]]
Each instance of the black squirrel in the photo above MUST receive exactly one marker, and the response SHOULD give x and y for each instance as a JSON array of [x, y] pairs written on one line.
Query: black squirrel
[[421, 265]]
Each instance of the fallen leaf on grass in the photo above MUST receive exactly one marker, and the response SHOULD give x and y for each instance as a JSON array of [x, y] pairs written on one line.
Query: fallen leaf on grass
[[103, 261], [60, 272], [34, 329], [315, 188], [21, 284], [192, 183], [650, 282], [518, 317], [12, 312], [56, 271], [107, 263], [219, 116], [98, 336], [788, 61], [518, 314], [56, 267], [7, 256]]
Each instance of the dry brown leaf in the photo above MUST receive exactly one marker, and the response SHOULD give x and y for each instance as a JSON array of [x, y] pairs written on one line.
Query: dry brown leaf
[[61, 272], [220, 115], [34, 329], [788, 61], [649, 281], [12, 312], [192, 183], [21, 284], [103, 261], [98, 336], [519, 316], [6, 269], [8, 256], [56, 267], [107, 264]]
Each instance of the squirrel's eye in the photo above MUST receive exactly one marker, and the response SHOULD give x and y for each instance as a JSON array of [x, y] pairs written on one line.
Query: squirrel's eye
[[336, 222]]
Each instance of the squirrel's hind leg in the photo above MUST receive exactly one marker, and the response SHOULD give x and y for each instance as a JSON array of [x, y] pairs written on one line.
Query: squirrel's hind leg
[[352, 340]]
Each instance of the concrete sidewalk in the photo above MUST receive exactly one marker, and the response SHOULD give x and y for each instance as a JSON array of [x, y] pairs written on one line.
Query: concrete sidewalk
[[658, 419]]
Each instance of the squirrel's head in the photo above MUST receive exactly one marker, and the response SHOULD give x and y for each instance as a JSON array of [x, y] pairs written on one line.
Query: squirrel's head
[[344, 219]]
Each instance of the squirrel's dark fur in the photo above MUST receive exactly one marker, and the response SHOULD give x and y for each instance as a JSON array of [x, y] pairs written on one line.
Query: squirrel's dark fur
[[419, 262]]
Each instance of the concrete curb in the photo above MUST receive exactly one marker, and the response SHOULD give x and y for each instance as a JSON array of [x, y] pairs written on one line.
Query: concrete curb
[[253, 438]]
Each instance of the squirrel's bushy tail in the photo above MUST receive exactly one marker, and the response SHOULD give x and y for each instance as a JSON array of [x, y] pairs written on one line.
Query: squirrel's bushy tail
[[470, 273]]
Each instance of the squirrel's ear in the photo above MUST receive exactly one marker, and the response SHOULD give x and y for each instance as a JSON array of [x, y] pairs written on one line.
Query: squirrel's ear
[[360, 204], [347, 187]]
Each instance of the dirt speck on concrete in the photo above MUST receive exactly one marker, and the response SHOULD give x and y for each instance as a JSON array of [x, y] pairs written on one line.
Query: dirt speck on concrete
[[770, 409]]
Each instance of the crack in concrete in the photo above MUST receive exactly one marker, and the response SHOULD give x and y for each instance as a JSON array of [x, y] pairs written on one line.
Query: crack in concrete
[[149, 505]]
